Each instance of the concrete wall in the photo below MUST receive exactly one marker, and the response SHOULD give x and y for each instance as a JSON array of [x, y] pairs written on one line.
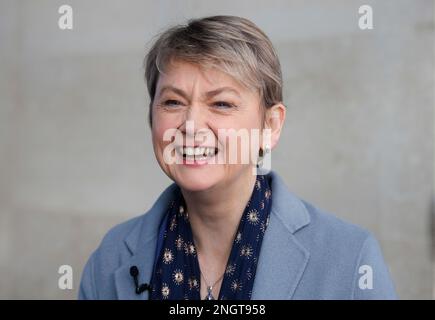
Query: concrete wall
[[75, 152]]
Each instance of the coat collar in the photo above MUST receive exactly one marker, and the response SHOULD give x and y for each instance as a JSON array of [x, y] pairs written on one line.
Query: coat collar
[[282, 258], [141, 243]]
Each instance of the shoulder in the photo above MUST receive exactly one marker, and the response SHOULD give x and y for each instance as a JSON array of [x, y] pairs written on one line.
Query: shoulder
[[113, 248], [338, 251], [348, 255], [113, 240], [118, 246], [327, 228], [97, 276], [125, 236], [310, 223]]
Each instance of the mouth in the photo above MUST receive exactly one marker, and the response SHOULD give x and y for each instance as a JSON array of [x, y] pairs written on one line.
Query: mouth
[[198, 154]]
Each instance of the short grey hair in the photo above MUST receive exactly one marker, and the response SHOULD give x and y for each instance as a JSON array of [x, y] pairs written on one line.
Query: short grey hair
[[232, 44]]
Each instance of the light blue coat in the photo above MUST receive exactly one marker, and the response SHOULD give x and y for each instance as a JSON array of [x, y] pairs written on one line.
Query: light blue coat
[[306, 254]]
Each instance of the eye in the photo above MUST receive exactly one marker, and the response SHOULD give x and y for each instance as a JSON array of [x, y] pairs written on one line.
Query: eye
[[223, 105], [172, 103]]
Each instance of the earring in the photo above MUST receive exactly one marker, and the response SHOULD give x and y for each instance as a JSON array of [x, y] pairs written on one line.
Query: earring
[[263, 151]]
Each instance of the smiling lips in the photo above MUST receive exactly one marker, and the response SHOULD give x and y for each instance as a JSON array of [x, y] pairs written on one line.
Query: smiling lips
[[196, 155]]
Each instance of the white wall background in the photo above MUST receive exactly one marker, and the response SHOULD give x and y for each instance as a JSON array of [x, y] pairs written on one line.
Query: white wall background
[[75, 153]]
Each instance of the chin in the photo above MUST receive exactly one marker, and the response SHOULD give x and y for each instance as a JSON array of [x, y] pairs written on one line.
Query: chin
[[197, 179]]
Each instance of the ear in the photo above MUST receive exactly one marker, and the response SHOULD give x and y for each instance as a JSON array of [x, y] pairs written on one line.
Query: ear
[[275, 117]]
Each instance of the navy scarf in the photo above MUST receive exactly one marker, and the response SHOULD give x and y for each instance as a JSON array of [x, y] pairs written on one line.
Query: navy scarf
[[176, 274]]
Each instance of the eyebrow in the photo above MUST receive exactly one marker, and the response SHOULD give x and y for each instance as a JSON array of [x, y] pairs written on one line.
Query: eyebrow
[[208, 94]]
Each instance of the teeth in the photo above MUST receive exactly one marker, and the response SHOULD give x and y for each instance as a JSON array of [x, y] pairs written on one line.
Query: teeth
[[198, 151]]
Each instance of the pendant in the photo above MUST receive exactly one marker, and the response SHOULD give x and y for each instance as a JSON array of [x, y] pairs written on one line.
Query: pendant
[[209, 294]]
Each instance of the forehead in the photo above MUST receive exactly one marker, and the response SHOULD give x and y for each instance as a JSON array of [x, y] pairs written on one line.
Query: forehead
[[186, 75]]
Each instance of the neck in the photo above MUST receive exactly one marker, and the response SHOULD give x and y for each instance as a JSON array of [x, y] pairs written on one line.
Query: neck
[[215, 214]]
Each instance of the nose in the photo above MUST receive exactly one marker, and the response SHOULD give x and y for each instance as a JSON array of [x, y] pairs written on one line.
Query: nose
[[194, 118]]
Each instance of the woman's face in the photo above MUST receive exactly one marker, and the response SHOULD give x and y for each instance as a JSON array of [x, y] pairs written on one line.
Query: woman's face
[[201, 105]]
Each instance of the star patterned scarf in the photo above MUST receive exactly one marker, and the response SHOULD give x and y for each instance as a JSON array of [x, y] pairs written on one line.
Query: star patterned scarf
[[176, 274]]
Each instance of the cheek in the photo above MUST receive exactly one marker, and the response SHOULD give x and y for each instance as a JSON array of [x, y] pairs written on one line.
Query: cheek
[[243, 120], [158, 142], [159, 127], [248, 128], [247, 121]]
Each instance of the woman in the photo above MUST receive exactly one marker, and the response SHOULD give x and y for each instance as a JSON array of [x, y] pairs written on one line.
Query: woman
[[224, 229]]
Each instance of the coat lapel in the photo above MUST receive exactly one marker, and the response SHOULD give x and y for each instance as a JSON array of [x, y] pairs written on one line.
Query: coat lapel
[[281, 264], [141, 243], [143, 260], [282, 258]]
